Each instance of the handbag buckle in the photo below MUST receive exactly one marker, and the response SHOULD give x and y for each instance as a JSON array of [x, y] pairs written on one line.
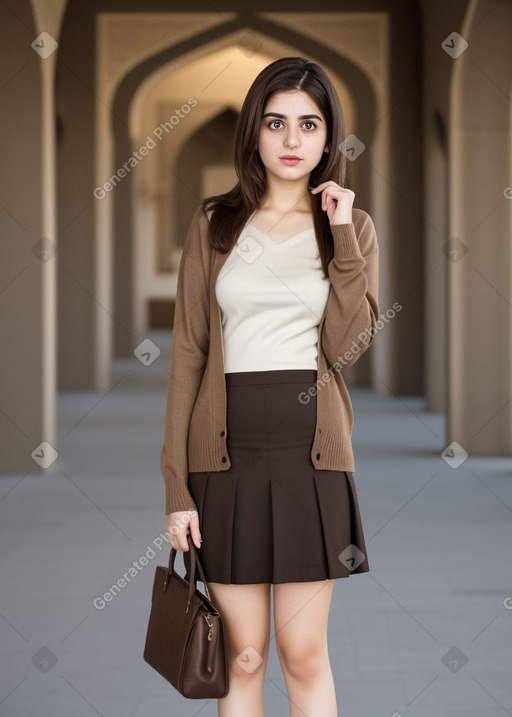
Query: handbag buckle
[[210, 625]]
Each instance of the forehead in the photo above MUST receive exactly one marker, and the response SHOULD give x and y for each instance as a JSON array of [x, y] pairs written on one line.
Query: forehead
[[293, 102]]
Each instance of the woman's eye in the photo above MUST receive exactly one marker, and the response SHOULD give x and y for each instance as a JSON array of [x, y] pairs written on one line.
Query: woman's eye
[[304, 123]]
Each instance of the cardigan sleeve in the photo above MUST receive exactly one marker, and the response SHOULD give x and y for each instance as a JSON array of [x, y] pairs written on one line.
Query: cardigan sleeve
[[352, 309], [189, 352]]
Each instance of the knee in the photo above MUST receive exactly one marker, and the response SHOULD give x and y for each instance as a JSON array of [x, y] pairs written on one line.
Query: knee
[[303, 661], [249, 662]]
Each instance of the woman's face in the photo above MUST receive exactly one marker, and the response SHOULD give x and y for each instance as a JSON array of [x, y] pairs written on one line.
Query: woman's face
[[291, 124]]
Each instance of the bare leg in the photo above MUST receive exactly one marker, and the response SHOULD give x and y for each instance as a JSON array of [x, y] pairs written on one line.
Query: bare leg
[[245, 610], [301, 613]]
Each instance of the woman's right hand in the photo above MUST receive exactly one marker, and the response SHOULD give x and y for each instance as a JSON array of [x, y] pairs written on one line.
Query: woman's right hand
[[179, 524]]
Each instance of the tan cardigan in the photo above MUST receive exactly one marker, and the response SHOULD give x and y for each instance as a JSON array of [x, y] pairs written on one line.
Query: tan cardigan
[[195, 432]]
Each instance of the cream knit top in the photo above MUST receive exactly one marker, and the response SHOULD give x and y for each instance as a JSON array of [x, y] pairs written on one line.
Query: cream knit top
[[271, 296]]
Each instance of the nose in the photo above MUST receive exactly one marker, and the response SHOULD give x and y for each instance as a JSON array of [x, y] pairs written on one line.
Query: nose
[[292, 137]]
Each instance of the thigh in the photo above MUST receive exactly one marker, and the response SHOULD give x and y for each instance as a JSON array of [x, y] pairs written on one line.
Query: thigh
[[245, 611], [301, 614]]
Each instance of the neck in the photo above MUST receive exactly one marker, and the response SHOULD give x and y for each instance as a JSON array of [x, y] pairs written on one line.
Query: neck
[[283, 195]]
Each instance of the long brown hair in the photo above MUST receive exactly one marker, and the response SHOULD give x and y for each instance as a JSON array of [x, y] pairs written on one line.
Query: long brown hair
[[232, 209]]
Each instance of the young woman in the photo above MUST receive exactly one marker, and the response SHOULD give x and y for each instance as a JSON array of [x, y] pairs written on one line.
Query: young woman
[[277, 295]]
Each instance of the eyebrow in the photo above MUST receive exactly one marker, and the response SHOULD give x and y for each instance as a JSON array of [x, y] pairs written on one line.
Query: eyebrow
[[276, 114]]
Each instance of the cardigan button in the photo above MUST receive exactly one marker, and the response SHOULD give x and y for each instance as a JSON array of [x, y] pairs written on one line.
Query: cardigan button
[[223, 459], [223, 433], [318, 456]]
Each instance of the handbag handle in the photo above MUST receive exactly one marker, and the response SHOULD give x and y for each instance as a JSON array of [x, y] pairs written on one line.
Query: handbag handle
[[195, 562]]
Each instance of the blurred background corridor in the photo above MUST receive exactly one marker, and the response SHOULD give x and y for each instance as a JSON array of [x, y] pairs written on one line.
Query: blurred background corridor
[[117, 119]]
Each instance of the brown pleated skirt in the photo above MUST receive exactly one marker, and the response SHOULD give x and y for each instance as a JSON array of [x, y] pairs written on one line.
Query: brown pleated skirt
[[272, 517]]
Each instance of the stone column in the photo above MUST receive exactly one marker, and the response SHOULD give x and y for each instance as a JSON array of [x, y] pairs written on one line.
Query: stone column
[[29, 239], [479, 263]]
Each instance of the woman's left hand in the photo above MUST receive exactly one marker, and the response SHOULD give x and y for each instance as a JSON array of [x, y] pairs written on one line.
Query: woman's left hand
[[336, 201]]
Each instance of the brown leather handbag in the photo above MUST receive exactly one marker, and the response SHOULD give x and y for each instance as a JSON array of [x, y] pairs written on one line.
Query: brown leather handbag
[[185, 639]]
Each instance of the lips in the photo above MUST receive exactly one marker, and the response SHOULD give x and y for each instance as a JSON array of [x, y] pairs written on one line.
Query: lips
[[289, 156], [290, 161]]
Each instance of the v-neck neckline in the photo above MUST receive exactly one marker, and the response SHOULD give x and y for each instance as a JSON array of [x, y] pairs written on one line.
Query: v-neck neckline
[[285, 241]]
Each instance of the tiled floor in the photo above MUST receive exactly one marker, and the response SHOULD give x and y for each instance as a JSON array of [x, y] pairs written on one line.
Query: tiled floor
[[425, 632]]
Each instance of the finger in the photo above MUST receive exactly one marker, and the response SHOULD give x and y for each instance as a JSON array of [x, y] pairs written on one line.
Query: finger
[[180, 541], [330, 194], [196, 536], [322, 185], [332, 191], [194, 531]]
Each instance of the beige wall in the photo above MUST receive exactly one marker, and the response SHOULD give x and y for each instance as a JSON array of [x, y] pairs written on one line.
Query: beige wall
[[479, 356], [21, 270]]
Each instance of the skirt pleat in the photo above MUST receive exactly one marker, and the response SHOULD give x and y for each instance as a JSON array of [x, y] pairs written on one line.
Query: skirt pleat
[[272, 517]]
